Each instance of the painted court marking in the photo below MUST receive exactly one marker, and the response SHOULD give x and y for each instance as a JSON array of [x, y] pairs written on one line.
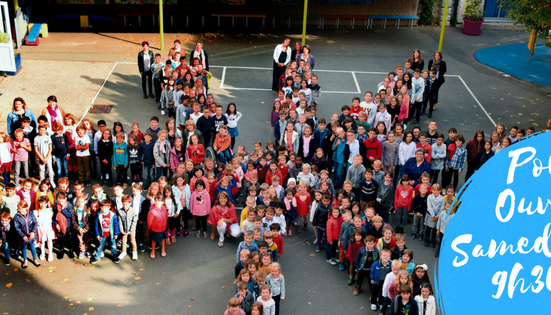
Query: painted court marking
[[353, 73]]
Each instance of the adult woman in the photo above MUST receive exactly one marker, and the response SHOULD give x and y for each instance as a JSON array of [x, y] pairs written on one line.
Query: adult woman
[[145, 60], [53, 112], [191, 129], [473, 147], [18, 112], [201, 54], [282, 56], [416, 61], [295, 54], [223, 219], [415, 166], [306, 56], [177, 48], [440, 66]]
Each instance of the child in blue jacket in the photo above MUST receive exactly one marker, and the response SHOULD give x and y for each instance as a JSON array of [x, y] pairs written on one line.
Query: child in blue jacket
[[107, 229], [120, 159], [379, 270]]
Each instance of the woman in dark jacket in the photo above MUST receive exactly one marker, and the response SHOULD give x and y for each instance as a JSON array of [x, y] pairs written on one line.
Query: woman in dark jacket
[[439, 65], [145, 60]]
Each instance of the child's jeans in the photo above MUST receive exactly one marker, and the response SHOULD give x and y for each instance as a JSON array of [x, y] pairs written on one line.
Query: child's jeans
[[5, 248], [43, 167], [30, 244], [276, 298], [339, 178], [149, 171], [384, 212], [6, 176], [418, 225], [417, 109], [363, 274], [430, 235], [331, 249], [136, 171], [376, 294], [225, 156], [65, 241], [61, 164], [83, 168], [161, 171], [440, 238], [291, 217], [401, 218], [102, 243], [200, 223], [106, 172], [386, 304], [435, 174], [17, 170], [122, 173], [321, 234]]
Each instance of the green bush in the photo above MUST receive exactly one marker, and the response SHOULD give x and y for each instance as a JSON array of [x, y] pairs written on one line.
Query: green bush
[[425, 16]]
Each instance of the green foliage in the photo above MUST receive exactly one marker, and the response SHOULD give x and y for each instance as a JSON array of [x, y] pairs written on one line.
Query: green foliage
[[534, 14], [473, 10], [425, 16]]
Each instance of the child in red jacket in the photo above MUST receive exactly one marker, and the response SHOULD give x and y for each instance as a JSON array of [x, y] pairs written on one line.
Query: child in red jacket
[[275, 228], [402, 203], [332, 231], [156, 223]]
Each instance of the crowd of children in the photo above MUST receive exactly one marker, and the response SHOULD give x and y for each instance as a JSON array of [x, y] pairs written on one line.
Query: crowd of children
[[349, 182]]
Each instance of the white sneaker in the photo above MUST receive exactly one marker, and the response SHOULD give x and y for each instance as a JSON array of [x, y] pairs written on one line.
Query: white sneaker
[[162, 111], [122, 255], [135, 255], [42, 257], [102, 254], [373, 307], [50, 257]]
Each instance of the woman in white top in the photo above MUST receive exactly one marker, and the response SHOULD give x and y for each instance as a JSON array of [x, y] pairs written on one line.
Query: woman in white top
[[282, 57]]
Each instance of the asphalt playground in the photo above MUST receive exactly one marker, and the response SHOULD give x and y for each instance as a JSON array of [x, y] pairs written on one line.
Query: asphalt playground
[[196, 277]]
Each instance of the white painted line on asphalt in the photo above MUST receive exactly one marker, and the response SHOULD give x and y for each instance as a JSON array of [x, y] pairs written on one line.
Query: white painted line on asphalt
[[97, 94], [246, 89], [236, 67], [477, 101], [356, 81], [223, 78]]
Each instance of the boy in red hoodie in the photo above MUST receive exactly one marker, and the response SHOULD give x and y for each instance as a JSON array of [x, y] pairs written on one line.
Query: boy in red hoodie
[[273, 171], [275, 228], [373, 148]]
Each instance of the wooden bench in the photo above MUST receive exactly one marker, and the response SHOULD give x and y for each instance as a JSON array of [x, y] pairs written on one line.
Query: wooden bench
[[319, 17], [245, 15], [397, 18], [351, 17], [139, 15], [187, 18]]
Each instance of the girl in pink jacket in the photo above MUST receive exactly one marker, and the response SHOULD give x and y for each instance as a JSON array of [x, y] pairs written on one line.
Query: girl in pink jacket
[[200, 207]]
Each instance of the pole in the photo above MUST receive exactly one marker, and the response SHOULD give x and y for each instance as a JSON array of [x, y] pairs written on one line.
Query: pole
[[161, 25], [444, 19], [304, 20]]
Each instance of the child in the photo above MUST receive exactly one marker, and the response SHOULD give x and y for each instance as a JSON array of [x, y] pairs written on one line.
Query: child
[[45, 232], [379, 270], [276, 281], [174, 208], [304, 202], [81, 223], [355, 245], [290, 211], [25, 226], [419, 205], [257, 308], [442, 223], [396, 251], [355, 173], [107, 229], [404, 303], [120, 160], [402, 203], [128, 219], [105, 154], [245, 297], [265, 298], [154, 127], [425, 301], [332, 235], [458, 160], [419, 277], [161, 153], [60, 150], [387, 241], [276, 233], [11, 200], [135, 159], [241, 263], [385, 197], [369, 189], [157, 225], [407, 261], [389, 279], [222, 144], [246, 244], [320, 219], [234, 307], [435, 204], [43, 152], [63, 215], [438, 157], [233, 116], [6, 233], [148, 158], [347, 221], [196, 150], [21, 149], [363, 262]]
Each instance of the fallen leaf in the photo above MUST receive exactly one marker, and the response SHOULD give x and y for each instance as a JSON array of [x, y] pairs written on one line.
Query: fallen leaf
[[91, 309], [65, 279], [141, 269], [312, 255], [9, 285], [90, 299], [27, 280], [119, 306], [78, 302], [137, 278], [310, 303], [192, 299], [223, 287]]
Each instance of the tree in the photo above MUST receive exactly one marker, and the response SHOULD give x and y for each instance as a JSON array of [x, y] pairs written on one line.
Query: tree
[[534, 14]]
